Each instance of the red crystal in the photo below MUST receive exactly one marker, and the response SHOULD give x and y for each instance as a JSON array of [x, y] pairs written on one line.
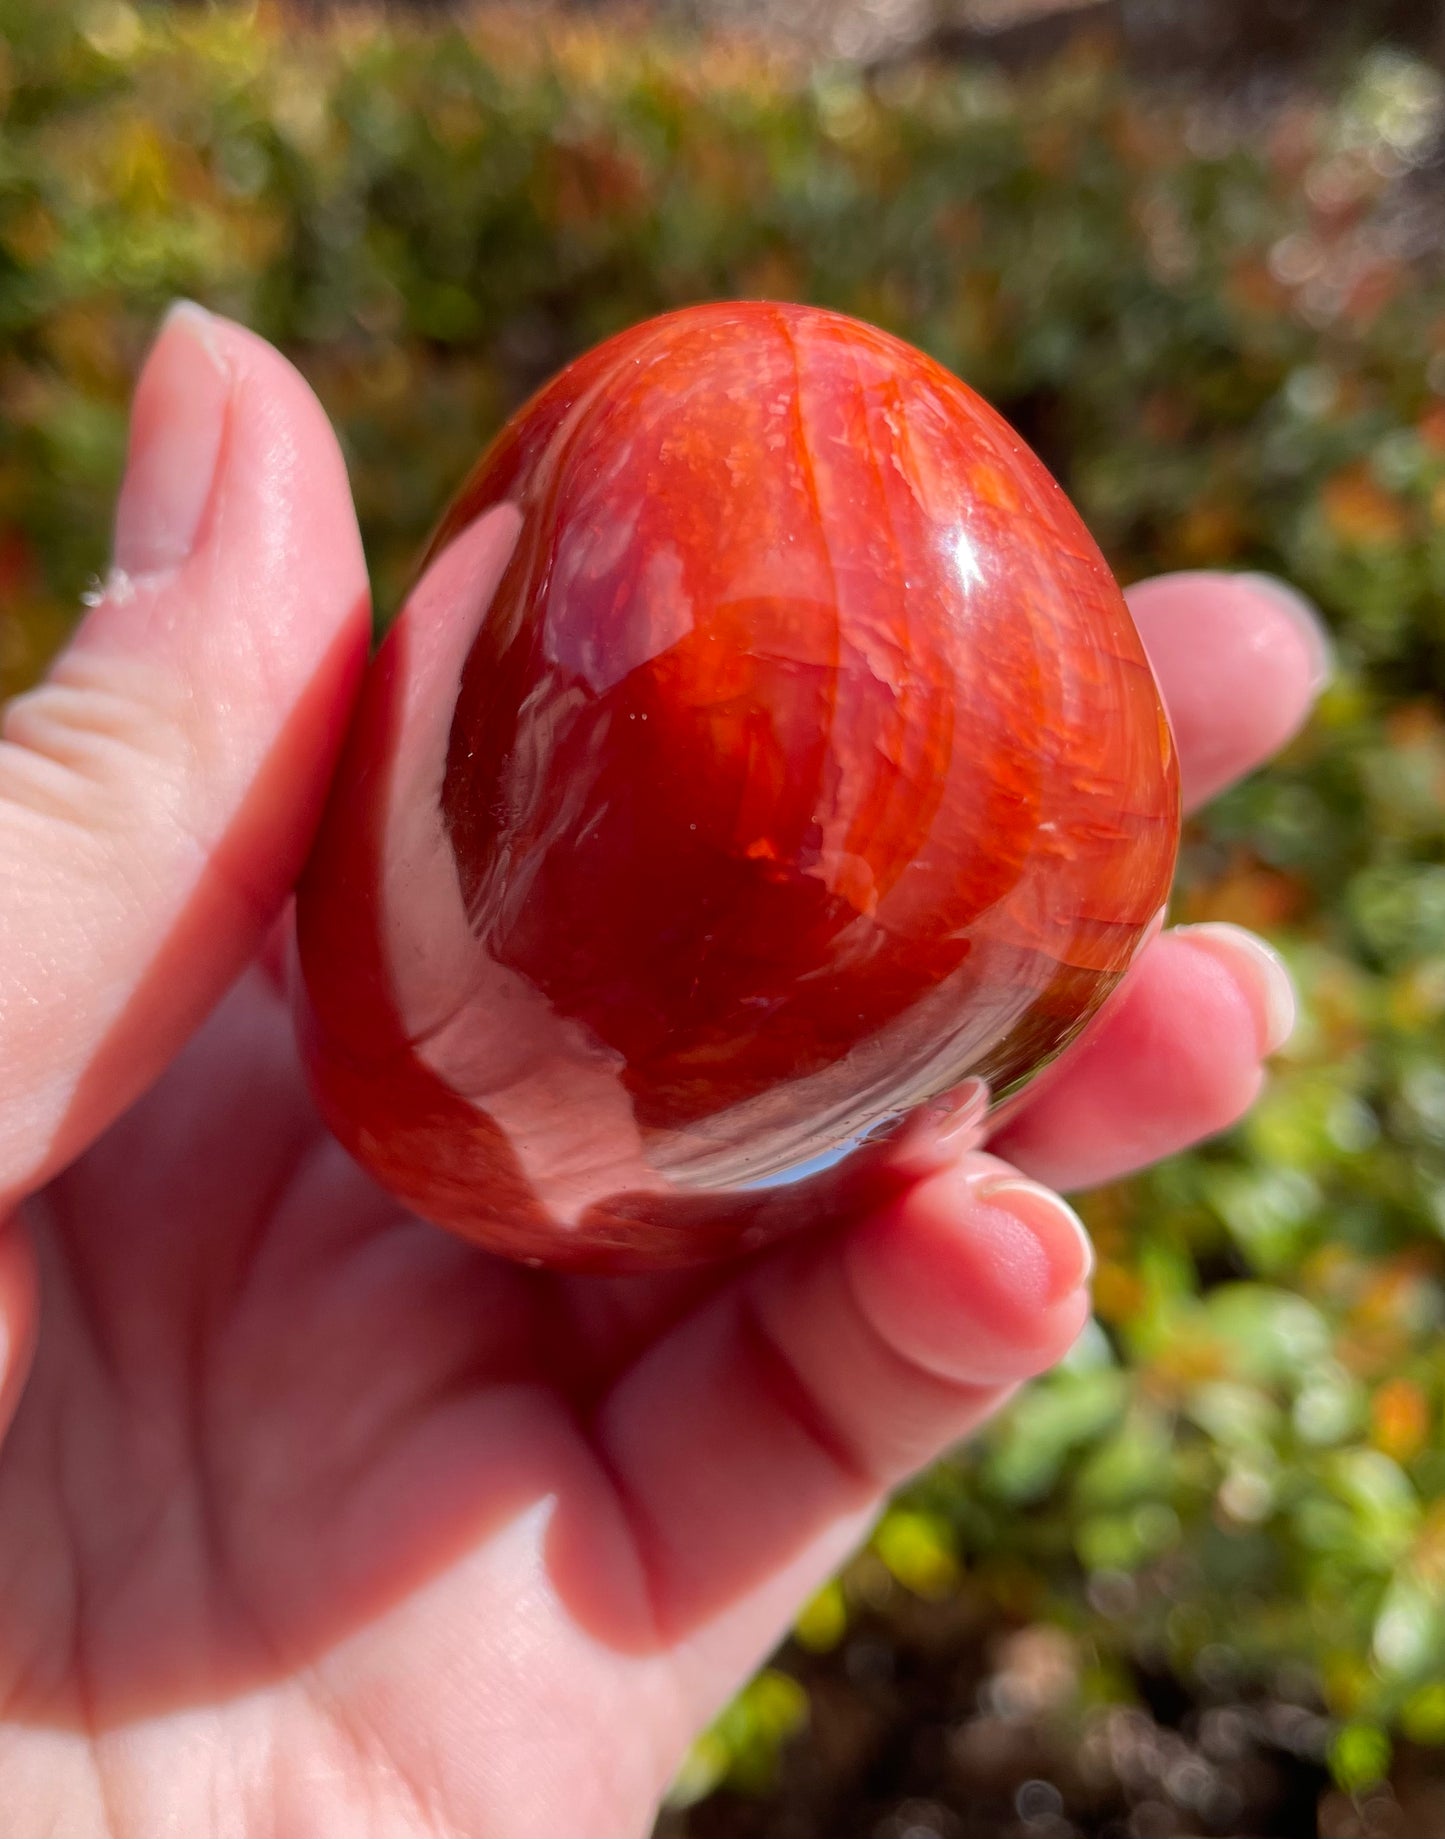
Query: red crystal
[[778, 754]]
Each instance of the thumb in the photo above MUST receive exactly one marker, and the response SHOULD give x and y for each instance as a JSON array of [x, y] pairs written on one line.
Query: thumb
[[159, 791]]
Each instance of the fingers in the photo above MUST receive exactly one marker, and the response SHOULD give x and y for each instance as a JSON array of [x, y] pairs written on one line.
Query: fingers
[[159, 791], [1174, 1059], [1240, 660], [754, 1439]]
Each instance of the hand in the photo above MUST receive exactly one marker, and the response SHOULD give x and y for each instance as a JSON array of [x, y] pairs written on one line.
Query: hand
[[312, 1519]]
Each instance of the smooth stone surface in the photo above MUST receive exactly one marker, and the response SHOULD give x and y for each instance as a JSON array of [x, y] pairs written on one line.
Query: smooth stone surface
[[765, 751]]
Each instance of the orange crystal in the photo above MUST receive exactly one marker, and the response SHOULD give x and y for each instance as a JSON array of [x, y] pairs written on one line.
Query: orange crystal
[[776, 756]]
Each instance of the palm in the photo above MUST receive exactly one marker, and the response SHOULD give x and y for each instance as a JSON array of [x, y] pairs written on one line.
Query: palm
[[313, 1519], [300, 1463]]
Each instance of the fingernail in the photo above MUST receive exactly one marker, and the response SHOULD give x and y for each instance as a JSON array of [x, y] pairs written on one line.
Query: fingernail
[[936, 1134], [1053, 1222], [1262, 970], [177, 425], [959, 1115], [1307, 621]]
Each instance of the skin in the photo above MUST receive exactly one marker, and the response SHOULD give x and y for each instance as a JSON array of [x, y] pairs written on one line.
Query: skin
[[312, 1519]]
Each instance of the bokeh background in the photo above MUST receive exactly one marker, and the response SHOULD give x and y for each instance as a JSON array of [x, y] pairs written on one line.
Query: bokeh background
[[1195, 1583]]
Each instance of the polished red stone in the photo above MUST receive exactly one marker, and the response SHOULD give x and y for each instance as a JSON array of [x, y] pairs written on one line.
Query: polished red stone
[[778, 753]]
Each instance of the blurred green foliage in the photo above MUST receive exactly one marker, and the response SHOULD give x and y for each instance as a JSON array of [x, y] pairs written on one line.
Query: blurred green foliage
[[1218, 332]]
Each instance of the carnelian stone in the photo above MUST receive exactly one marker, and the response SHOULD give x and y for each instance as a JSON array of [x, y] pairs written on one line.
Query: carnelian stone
[[765, 751]]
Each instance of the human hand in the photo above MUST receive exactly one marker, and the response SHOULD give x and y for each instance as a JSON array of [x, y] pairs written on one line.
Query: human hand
[[312, 1518]]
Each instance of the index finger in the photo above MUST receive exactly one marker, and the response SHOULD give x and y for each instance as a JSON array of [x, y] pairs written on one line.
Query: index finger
[[1240, 660]]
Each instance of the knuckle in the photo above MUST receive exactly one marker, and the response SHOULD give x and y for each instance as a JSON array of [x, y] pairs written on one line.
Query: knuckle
[[93, 744]]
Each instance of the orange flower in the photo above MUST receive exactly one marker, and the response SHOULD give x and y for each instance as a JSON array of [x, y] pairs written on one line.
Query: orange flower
[[1360, 512], [1400, 1419]]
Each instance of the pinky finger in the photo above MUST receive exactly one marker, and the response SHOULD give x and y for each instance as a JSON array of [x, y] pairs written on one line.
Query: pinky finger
[[754, 1440]]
